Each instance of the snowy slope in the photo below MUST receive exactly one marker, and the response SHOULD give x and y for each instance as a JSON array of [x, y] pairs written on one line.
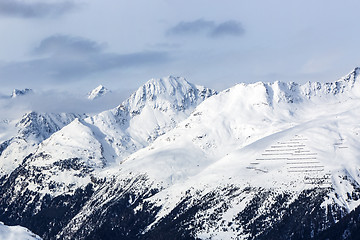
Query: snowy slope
[[319, 154], [16, 233]]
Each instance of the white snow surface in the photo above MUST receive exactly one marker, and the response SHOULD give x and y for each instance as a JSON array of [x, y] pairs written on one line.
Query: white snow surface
[[16, 233], [278, 136]]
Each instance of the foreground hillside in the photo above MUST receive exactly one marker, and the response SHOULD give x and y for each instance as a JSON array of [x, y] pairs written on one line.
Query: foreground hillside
[[16, 233], [179, 161]]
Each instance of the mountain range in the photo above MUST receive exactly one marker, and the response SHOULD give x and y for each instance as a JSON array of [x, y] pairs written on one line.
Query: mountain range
[[180, 161]]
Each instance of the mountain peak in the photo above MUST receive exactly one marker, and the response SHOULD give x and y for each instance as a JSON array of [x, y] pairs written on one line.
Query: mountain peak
[[353, 75], [356, 69], [98, 92], [168, 92], [167, 83], [21, 92]]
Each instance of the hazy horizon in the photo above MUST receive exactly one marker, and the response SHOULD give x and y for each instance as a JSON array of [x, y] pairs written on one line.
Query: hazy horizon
[[73, 44]]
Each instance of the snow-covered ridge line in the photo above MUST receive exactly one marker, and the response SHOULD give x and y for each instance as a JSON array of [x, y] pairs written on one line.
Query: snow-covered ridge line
[[167, 92], [291, 92]]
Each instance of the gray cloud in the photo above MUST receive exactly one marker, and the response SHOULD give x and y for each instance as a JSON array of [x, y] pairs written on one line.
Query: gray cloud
[[208, 28], [165, 45], [63, 44], [194, 27], [24, 9], [229, 28], [71, 58]]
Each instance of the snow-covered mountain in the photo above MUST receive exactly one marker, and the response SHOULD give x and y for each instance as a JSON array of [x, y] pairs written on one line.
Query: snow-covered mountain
[[26, 134], [21, 92], [241, 156], [179, 161], [98, 92], [154, 109], [107, 138]]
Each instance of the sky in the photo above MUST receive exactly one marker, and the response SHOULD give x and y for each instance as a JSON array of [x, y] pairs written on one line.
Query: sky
[[75, 45]]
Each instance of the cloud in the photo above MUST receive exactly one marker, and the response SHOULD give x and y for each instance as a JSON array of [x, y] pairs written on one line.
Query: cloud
[[164, 45], [57, 102], [207, 28], [229, 28], [16, 8], [66, 58], [194, 27], [63, 44]]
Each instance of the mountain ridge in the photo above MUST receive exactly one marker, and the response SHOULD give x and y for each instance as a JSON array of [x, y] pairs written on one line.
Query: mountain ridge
[[245, 163]]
